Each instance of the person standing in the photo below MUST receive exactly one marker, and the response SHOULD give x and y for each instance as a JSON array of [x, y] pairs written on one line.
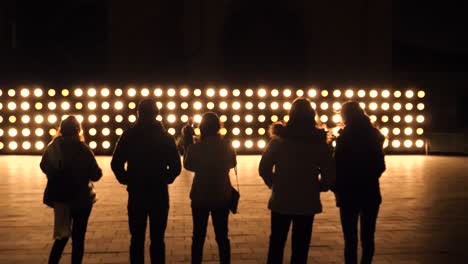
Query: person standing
[[187, 134], [360, 162], [297, 165], [153, 162], [70, 167], [211, 159]]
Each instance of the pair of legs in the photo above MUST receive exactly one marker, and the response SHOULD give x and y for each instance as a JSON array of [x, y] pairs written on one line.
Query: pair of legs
[[220, 222], [137, 219], [301, 236], [80, 218], [349, 223]]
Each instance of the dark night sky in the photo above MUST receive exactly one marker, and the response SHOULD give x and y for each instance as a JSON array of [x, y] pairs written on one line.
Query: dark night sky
[[427, 35]]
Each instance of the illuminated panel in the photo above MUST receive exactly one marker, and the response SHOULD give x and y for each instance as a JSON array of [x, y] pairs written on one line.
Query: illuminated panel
[[29, 116]]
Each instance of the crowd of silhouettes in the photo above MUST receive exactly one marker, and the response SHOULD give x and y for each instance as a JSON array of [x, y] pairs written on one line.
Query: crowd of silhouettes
[[297, 165]]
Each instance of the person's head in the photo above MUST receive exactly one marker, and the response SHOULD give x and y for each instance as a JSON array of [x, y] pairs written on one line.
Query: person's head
[[352, 114], [209, 125], [70, 127], [301, 114], [147, 110]]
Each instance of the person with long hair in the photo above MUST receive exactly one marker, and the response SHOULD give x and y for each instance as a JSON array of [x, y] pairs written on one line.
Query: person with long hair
[[146, 160], [297, 165], [211, 159], [360, 162], [71, 168]]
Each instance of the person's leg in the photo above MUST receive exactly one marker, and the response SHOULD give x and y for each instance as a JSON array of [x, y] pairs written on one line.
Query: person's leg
[[57, 250], [80, 218], [158, 224], [368, 222], [220, 219], [301, 236], [279, 234], [137, 224], [349, 222], [200, 222]]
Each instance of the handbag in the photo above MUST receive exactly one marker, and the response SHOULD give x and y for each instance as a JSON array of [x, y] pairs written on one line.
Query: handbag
[[235, 196]]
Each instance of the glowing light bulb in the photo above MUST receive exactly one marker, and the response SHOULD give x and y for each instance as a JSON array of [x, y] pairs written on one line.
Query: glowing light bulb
[[210, 92], [38, 92], [235, 144], [184, 92], [419, 143], [78, 92], [92, 92], [131, 92], [261, 144], [312, 93], [106, 144], [158, 92], [105, 92], [24, 92], [361, 93], [145, 92]]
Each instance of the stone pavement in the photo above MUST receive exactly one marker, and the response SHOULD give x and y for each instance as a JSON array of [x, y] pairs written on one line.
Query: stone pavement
[[423, 219]]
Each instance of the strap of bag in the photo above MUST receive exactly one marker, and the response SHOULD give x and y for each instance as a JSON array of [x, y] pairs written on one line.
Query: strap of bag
[[237, 179]]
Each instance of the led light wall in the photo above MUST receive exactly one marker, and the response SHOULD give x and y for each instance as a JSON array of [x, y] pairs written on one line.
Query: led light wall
[[29, 116]]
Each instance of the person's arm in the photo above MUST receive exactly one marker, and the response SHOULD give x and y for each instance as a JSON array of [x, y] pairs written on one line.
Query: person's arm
[[190, 159], [327, 168], [380, 155], [172, 164], [232, 161], [119, 158], [94, 171], [267, 164], [45, 164], [51, 160]]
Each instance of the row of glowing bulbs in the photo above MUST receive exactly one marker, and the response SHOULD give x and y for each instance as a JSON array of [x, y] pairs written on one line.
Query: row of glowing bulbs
[[197, 105], [211, 92], [26, 132], [171, 118], [249, 144]]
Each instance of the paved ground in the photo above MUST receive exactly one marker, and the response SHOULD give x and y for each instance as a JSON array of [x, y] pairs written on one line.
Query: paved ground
[[424, 216]]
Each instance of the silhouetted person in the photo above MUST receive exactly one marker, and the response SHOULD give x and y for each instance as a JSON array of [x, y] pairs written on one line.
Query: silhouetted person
[[210, 159], [152, 163], [187, 134], [359, 163], [70, 167], [290, 167]]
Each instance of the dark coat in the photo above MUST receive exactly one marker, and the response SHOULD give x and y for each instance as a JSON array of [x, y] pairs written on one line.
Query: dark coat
[[211, 159], [360, 162], [75, 162], [290, 167], [152, 160]]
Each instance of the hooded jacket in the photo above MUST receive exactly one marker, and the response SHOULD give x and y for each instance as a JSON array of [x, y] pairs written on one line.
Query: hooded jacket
[[360, 162], [152, 160], [290, 167]]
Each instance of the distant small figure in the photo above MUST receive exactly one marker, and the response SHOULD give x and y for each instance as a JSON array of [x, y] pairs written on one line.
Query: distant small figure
[[70, 167], [360, 162], [290, 166], [187, 134], [210, 159], [153, 162]]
